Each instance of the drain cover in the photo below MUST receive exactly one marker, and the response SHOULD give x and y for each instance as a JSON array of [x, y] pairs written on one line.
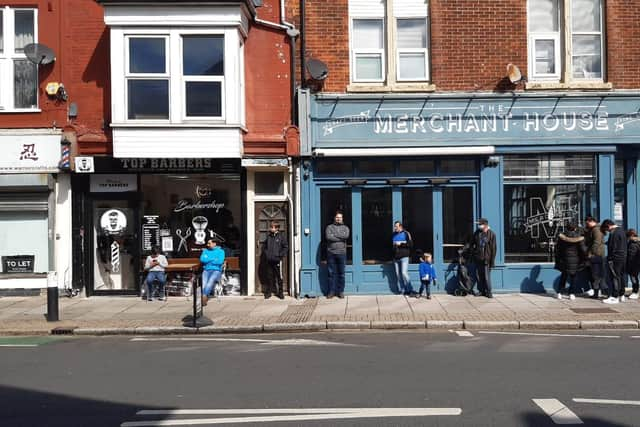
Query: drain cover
[[603, 310], [62, 331]]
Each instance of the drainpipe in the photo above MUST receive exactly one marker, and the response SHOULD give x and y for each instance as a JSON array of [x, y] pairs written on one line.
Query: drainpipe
[[303, 45]]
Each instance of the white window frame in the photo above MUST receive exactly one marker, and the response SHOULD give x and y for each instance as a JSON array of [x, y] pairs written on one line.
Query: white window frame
[[128, 75], [555, 37], [184, 78], [563, 45], [174, 74], [425, 50], [368, 53], [589, 33], [8, 56]]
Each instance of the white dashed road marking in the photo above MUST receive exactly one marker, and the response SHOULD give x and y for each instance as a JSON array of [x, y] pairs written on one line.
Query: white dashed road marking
[[294, 414], [534, 334], [464, 333], [558, 412], [608, 401], [283, 342]]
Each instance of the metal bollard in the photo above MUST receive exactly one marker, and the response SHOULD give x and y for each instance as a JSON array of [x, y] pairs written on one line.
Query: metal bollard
[[52, 297]]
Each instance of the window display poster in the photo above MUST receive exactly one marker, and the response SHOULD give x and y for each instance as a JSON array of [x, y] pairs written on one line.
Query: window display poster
[[618, 212], [150, 232], [18, 264], [167, 244]]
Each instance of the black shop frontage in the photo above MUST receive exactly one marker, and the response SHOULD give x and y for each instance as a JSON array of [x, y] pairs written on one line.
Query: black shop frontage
[[123, 207]]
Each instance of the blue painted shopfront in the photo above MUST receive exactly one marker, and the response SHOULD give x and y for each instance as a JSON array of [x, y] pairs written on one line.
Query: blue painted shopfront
[[530, 164]]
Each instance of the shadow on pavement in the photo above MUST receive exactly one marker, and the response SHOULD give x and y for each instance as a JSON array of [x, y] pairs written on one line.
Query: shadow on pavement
[[535, 419], [28, 408]]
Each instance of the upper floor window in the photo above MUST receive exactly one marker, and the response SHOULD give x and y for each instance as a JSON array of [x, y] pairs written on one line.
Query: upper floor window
[[18, 75], [196, 69], [389, 41], [566, 40]]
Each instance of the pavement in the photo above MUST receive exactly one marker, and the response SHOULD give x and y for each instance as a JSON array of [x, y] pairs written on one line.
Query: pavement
[[102, 315]]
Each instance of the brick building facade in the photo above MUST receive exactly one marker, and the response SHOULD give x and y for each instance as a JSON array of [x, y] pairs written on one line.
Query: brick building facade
[[419, 121]]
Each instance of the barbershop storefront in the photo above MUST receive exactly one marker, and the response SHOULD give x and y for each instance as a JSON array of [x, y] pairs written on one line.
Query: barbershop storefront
[[529, 164], [124, 207]]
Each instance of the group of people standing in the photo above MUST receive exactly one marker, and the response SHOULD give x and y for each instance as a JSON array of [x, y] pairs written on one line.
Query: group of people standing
[[482, 248], [576, 251]]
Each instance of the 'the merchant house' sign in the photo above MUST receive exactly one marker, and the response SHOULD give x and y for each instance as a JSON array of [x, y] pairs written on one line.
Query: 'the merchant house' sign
[[342, 119]]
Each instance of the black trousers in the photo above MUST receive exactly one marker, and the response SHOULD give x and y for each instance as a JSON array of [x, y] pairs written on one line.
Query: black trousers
[[274, 279], [616, 268], [596, 271], [571, 277], [484, 278], [634, 282]]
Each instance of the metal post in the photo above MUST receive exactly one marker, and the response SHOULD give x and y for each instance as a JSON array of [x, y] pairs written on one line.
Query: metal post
[[52, 297]]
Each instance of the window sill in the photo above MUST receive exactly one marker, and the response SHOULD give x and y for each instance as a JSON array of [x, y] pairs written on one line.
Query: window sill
[[570, 85], [394, 87], [177, 125], [20, 110]]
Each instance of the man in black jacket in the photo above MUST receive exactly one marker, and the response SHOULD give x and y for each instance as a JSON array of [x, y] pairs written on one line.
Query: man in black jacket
[[616, 260], [274, 249], [483, 251]]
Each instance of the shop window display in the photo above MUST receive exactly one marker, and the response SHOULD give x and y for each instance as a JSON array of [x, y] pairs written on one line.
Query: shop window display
[[192, 209], [536, 212]]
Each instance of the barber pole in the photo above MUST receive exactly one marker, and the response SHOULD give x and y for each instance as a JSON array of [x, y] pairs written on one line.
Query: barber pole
[[65, 158]]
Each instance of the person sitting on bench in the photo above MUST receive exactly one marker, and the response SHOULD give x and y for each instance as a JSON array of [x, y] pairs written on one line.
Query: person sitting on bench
[[155, 265]]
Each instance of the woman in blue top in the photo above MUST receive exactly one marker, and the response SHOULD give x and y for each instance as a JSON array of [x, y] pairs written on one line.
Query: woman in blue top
[[212, 259]]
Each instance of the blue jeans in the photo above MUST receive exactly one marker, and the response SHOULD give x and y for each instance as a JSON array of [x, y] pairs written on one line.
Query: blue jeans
[[209, 280], [402, 275], [335, 268], [152, 276]]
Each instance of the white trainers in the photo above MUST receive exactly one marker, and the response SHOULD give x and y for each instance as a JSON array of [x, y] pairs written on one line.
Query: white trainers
[[590, 292], [572, 297], [611, 300], [559, 295], [623, 298], [633, 296]]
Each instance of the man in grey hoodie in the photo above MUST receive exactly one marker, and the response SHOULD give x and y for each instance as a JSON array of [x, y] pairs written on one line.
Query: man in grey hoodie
[[337, 235]]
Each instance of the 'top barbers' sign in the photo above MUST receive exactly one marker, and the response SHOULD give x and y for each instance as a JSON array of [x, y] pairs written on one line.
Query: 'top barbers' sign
[[338, 121]]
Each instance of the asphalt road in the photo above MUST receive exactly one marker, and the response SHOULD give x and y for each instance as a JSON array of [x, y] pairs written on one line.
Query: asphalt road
[[383, 379]]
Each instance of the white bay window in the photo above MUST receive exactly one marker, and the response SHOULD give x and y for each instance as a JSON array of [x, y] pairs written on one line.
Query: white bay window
[[177, 79]]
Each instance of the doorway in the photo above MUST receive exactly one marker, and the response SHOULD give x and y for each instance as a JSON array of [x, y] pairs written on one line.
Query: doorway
[[440, 219], [265, 213], [115, 247]]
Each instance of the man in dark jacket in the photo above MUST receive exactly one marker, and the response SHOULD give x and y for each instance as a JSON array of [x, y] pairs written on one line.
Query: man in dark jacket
[[616, 260], [274, 249], [594, 240], [337, 236], [402, 245], [483, 251], [571, 253], [633, 262]]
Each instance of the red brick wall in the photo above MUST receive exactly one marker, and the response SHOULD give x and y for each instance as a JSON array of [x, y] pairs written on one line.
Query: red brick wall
[[267, 86], [472, 41], [623, 47]]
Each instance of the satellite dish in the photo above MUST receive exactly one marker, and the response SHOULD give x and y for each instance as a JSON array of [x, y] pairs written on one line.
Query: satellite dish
[[514, 74], [39, 54], [317, 69]]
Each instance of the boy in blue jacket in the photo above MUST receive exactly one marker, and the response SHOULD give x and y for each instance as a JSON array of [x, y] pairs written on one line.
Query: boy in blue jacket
[[427, 274]]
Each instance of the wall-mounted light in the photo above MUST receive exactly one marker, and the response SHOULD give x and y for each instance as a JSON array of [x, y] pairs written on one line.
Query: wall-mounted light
[[355, 181], [492, 161], [397, 181]]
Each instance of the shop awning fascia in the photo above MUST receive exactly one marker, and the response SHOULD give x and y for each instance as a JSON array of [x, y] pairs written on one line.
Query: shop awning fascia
[[405, 151]]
